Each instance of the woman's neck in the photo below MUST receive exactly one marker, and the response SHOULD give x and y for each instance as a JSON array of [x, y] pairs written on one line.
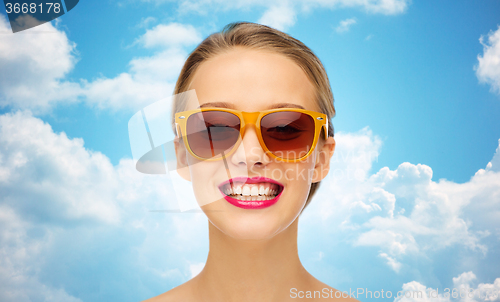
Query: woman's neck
[[251, 270]]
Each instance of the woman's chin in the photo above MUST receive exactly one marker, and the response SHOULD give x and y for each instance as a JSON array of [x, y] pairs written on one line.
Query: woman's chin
[[251, 234], [247, 224], [247, 229]]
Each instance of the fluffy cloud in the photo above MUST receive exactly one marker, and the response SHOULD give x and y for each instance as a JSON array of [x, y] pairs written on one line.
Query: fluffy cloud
[[148, 80], [488, 67], [70, 183], [34, 64], [280, 17], [463, 290], [494, 164], [345, 25], [169, 35]]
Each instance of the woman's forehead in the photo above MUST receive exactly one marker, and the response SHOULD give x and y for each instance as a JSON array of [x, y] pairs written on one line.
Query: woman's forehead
[[252, 80]]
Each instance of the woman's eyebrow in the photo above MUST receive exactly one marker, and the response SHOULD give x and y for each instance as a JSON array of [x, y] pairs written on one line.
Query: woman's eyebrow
[[285, 105], [217, 104]]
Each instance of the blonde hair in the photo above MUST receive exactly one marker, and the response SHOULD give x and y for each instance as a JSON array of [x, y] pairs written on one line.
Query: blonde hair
[[260, 37]]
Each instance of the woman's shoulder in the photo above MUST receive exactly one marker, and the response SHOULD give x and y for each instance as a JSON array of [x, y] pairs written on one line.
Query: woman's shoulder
[[327, 292], [182, 292]]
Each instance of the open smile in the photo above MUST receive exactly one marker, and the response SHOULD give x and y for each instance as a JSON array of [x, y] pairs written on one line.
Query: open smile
[[251, 193]]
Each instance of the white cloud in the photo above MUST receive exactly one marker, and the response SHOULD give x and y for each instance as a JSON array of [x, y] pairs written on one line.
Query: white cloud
[[350, 166], [494, 164], [463, 290], [391, 262], [170, 35], [345, 25], [464, 279], [146, 21], [433, 216], [386, 7], [488, 67], [70, 183], [280, 17], [16, 283], [34, 64]]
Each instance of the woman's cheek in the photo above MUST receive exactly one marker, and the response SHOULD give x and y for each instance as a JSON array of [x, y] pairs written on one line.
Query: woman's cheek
[[299, 173], [202, 178]]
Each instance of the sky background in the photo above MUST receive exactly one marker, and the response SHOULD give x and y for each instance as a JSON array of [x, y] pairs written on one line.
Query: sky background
[[417, 94]]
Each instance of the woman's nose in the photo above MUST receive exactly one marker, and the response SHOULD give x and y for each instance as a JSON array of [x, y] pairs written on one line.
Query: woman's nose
[[250, 152]]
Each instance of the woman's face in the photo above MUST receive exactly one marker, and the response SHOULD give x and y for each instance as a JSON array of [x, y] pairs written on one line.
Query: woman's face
[[253, 80]]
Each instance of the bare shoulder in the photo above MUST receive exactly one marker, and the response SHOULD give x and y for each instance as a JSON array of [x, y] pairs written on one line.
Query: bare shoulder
[[331, 293], [182, 292]]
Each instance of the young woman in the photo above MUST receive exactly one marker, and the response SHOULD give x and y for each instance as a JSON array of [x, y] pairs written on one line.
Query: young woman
[[255, 145]]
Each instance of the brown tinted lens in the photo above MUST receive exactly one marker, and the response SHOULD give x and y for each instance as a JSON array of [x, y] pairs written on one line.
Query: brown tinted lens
[[288, 134], [210, 133]]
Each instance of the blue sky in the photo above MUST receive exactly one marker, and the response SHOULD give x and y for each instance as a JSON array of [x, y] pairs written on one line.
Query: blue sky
[[415, 83]]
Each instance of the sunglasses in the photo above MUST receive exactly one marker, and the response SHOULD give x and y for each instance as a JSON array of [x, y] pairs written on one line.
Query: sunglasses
[[286, 134]]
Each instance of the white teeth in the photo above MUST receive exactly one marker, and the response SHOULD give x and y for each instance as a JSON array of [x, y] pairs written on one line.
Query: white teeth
[[252, 192], [255, 191], [262, 191], [246, 191], [237, 190]]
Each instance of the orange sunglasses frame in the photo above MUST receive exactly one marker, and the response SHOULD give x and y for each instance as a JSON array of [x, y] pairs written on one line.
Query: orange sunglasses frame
[[251, 118]]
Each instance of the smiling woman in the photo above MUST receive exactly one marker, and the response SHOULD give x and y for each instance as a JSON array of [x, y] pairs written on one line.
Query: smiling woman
[[255, 145]]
